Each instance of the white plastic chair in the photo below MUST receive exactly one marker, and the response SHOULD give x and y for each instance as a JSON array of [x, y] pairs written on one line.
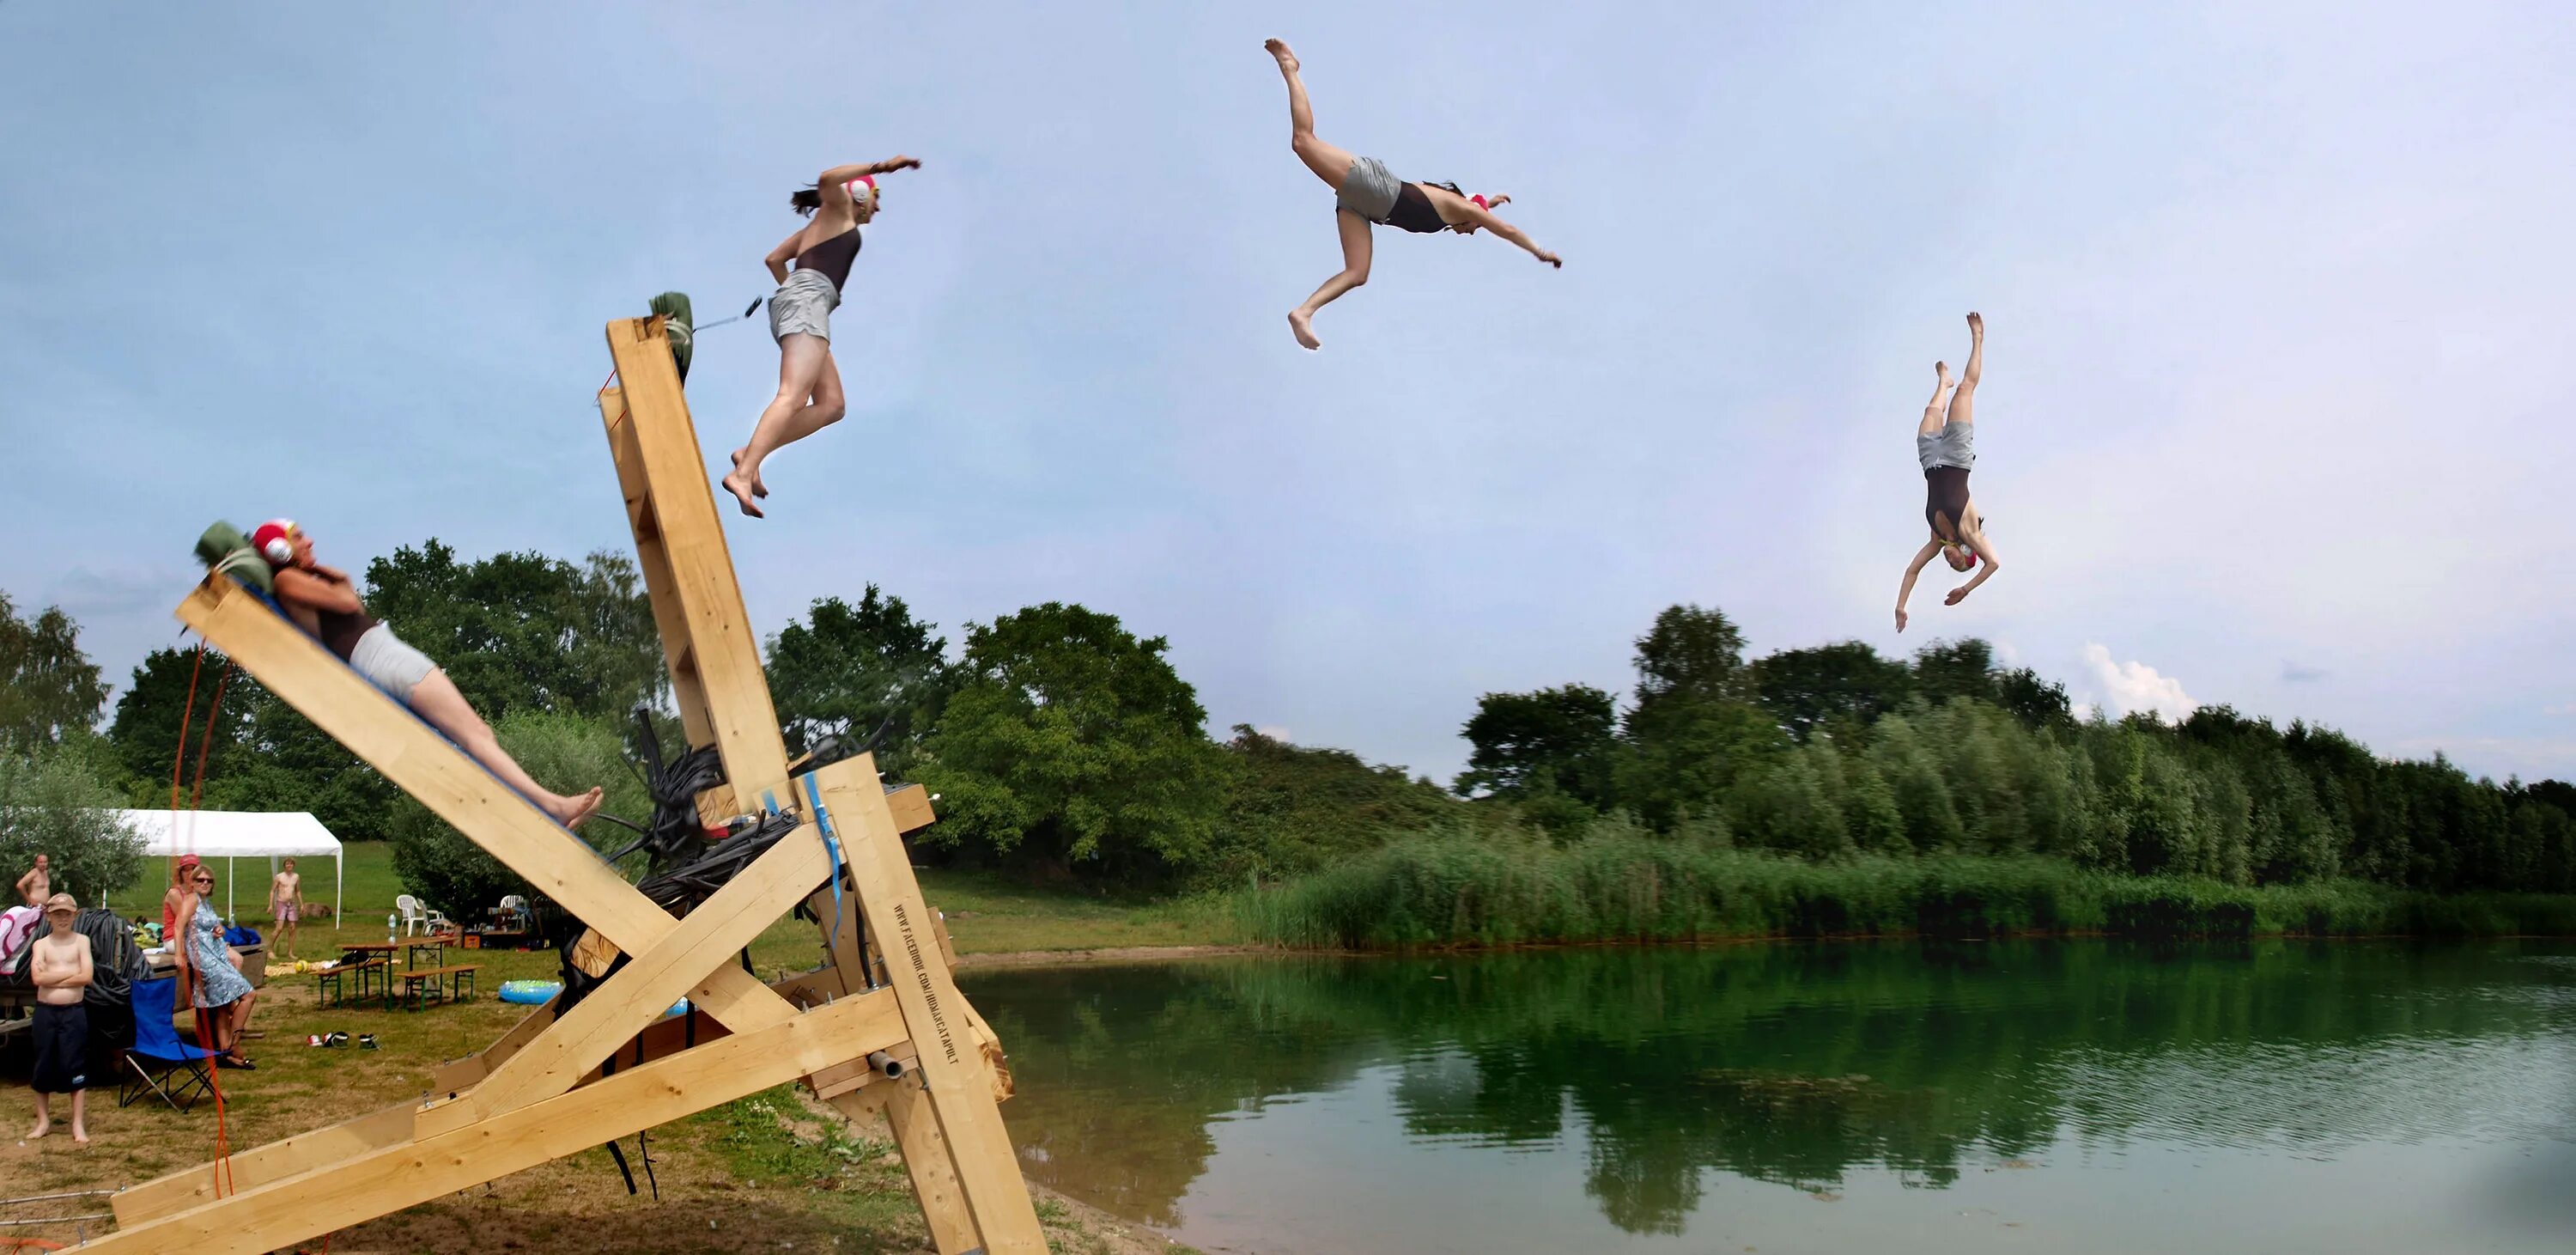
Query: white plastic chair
[[514, 910], [413, 913]]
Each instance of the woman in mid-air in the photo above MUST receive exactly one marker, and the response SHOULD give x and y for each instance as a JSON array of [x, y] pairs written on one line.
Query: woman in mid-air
[[1945, 442], [1365, 192], [800, 316]]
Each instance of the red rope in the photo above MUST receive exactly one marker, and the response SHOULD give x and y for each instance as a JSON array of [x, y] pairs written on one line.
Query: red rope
[[223, 1163]]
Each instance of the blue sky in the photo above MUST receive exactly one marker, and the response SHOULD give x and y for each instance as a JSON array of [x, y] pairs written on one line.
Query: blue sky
[[2278, 406]]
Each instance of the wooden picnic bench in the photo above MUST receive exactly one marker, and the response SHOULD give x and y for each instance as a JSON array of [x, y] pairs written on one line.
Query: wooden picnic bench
[[328, 989], [423, 983]]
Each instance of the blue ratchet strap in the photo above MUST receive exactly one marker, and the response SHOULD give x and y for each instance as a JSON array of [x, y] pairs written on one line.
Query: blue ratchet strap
[[831, 846]]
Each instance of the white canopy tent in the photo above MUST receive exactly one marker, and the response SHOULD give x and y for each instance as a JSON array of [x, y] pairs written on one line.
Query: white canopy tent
[[233, 834]]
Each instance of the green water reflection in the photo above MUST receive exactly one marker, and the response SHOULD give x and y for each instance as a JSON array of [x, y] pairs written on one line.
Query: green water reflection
[[1231, 1099]]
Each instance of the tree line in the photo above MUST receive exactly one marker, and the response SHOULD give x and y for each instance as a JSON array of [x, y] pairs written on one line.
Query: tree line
[[1065, 746]]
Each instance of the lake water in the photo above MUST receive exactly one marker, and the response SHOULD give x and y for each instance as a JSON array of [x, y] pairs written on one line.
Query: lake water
[[2058, 1097]]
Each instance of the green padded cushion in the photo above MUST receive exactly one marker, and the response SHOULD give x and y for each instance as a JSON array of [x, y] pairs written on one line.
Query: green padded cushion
[[224, 548], [683, 328]]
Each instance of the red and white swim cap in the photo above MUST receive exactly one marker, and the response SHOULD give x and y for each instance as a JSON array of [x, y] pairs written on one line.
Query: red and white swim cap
[[868, 181], [275, 541]]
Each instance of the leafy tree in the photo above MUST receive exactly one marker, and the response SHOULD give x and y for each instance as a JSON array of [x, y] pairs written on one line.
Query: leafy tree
[[1557, 740], [53, 803], [1691, 656], [47, 685], [1693, 757], [1805, 688], [449, 871], [1070, 743], [174, 684], [850, 670]]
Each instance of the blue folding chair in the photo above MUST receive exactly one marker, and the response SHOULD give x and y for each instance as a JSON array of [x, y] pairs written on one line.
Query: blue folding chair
[[159, 1063]]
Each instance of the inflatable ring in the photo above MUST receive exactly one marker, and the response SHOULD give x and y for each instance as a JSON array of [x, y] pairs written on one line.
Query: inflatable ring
[[530, 992]]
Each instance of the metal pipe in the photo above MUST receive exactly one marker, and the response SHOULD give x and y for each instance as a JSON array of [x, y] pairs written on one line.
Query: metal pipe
[[885, 1063]]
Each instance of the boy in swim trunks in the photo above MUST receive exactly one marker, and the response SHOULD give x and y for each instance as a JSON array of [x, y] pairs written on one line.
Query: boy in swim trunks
[[61, 970]]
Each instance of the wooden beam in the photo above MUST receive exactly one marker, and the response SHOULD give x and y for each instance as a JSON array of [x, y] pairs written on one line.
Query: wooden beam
[[460, 1074], [364, 1186], [276, 1161], [926, 1159], [722, 650], [911, 807], [686, 692], [422, 763], [953, 1074], [643, 990]]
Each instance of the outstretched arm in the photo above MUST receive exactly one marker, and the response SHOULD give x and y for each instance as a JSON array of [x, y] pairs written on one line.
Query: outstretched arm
[[1987, 565], [834, 184], [1913, 569], [1486, 219]]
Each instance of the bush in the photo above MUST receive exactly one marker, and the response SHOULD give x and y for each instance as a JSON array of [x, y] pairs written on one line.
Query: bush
[[53, 802]]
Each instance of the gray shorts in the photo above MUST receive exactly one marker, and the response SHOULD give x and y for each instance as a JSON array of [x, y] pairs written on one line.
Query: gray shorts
[[1955, 446], [803, 306], [389, 664], [1369, 190]]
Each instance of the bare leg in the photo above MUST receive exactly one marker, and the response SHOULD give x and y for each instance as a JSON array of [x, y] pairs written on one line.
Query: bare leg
[[237, 1018], [802, 361], [437, 701], [1356, 251], [1936, 411], [80, 1117], [44, 1116], [1331, 164], [1963, 405]]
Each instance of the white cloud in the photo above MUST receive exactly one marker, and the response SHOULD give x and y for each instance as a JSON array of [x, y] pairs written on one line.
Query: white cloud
[[2131, 687], [2563, 708], [1274, 732]]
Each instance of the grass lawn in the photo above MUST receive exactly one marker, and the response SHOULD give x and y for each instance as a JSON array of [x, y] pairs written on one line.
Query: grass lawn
[[986, 914]]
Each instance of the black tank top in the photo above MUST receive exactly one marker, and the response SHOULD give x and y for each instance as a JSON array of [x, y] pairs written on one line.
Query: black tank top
[[832, 257], [340, 630], [1413, 211], [1945, 495]]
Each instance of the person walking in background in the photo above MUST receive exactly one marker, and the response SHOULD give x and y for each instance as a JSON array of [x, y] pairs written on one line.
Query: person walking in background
[[286, 906], [61, 969]]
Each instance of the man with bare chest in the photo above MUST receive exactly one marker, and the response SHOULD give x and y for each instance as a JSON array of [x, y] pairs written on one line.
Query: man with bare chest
[[37, 885]]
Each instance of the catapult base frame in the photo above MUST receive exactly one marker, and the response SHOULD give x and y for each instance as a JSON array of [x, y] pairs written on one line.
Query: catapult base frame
[[568, 1078]]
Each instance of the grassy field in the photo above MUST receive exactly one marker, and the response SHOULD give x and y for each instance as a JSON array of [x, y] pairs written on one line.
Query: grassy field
[[986, 914]]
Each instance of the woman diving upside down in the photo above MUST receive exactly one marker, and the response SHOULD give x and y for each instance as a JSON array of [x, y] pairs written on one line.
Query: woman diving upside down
[[1945, 442], [1366, 192]]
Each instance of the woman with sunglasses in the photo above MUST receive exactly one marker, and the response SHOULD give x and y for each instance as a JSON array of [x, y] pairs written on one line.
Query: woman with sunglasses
[[1365, 192], [212, 984]]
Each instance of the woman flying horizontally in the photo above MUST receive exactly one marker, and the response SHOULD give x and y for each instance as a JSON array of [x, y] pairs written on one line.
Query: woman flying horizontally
[[1365, 192], [800, 316], [325, 604], [1945, 442]]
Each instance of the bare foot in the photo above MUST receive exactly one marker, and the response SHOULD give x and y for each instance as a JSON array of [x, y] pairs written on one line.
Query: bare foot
[[41, 1130], [740, 487], [1279, 49], [758, 489], [1302, 325], [1977, 325], [1942, 369], [572, 811], [80, 1137]]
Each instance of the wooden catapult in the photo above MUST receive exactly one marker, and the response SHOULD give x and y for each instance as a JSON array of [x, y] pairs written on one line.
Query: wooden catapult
[[879, 1026]]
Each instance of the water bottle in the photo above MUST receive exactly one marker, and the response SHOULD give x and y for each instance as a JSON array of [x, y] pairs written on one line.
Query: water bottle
[[389, 929]]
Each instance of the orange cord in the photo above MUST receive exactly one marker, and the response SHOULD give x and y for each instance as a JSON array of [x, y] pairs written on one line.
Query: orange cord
[[223, 1163]]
